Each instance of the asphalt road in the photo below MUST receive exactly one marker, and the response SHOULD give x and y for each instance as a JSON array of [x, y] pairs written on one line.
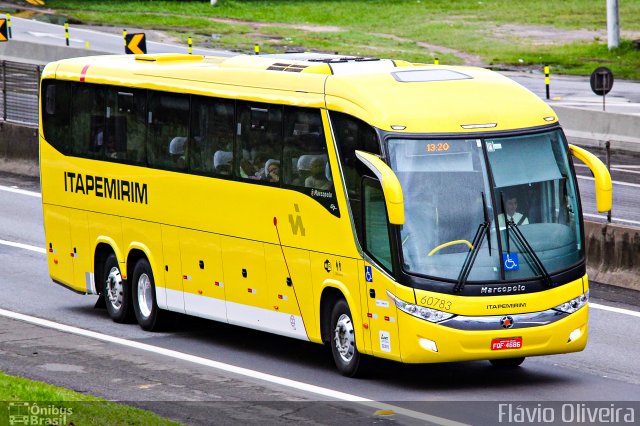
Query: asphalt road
[[608, 370]]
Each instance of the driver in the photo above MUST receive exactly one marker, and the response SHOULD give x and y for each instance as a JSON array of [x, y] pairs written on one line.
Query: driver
[[511, 209]]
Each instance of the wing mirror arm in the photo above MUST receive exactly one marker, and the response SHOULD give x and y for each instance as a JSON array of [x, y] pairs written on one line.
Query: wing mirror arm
[[602, 177], [390, 186]]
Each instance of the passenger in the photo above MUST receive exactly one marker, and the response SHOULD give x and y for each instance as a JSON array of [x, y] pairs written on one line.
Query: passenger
[[511, 207], [317, 177], [272, 170], [177, 148], [222, 162]]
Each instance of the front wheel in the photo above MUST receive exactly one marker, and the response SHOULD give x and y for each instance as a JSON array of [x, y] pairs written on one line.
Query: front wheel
[[144, 296], [343, 340], [507, 362], [116, 294]]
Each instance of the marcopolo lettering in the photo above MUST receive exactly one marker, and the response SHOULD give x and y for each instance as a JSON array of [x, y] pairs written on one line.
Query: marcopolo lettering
[[503, 289], [99, 186]]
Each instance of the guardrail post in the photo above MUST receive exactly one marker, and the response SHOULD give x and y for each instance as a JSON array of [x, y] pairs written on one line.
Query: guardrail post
[[607, 146], [546, 79], [4, 90]]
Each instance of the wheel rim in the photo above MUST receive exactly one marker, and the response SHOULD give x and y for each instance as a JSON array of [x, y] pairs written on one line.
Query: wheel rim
[[343, 338], [145, 298], [115, 288]]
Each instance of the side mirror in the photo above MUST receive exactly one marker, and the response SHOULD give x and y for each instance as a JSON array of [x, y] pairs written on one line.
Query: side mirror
[[390, 186], [604, 195]]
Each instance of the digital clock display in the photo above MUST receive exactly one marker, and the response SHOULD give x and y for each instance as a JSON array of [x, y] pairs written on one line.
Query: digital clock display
[[438, 147]]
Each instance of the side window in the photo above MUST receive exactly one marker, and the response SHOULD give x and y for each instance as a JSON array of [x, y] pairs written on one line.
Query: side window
[[376, 238], [168, 130], [212, 131], [352, 134], [259, 141], [56, 115], [88, 125], [305, 151], [125, 125]]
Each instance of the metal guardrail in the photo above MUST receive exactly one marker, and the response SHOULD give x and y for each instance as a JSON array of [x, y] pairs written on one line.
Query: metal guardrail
[[19, 87]]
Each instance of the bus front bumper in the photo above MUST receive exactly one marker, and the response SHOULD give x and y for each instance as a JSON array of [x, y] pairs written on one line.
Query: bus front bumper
[[425, 342]]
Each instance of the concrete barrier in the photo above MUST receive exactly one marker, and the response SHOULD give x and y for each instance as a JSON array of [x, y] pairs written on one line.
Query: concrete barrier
[[593, 128], [33, 53], [613, 254], [19, 149]]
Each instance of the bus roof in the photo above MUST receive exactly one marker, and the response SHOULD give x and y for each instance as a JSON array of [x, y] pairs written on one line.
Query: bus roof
[[391, 95]]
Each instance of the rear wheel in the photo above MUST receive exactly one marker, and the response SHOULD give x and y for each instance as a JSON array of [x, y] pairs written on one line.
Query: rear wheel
[[115, 293], [144, 296], [343, 340], [507, 362]]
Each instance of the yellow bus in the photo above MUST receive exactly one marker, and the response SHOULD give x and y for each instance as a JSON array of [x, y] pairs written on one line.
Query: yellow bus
[[354, 202]]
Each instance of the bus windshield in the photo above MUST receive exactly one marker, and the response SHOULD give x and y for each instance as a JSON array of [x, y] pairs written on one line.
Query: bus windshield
[[452, 195]]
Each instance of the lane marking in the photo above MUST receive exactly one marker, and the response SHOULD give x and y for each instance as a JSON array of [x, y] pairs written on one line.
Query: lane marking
[[618, 168], [294, 384], [617, 182], [24, 246], [20, 191], [614, 309], [613, 219]]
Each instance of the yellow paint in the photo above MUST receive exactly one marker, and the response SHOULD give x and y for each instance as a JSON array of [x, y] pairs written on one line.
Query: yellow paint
[[604, 196]]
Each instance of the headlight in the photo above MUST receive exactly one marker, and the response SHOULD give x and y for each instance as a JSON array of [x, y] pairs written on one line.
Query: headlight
[[574, 304], [431, 315]]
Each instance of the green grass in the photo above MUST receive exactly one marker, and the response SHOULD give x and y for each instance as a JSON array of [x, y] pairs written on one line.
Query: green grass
[[456, 31], [80, 409]]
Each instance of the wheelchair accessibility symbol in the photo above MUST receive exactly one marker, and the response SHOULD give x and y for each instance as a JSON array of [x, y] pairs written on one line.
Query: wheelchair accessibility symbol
[[368, 274], [510, 261]]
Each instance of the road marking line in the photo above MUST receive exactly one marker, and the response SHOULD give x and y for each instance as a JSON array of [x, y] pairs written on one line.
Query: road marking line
[[20, 191], [613, 219], [616, 310], [24, 246], [230, 368], [617, 182], [619, 168]]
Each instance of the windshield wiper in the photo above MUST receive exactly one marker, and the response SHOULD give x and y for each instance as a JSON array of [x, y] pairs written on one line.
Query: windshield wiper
[[472, 254], [510, 224]]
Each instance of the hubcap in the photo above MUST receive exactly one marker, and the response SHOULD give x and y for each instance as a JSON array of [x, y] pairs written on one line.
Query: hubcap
[[145, 299], [115, 289], [343, 338]]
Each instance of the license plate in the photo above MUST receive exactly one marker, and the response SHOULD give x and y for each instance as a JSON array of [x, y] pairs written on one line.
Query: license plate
[[508, 343]]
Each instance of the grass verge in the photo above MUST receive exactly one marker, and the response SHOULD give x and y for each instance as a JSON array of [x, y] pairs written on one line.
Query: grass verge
[[48, 404], [569, 35]]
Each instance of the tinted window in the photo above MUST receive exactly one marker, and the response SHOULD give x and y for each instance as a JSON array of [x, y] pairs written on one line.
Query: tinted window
[[56, 113], [212, 132], [168, 130], [259, 141]]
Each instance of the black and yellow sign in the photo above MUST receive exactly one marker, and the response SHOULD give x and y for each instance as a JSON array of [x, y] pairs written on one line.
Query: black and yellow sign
[[135, 43], [3, 30]]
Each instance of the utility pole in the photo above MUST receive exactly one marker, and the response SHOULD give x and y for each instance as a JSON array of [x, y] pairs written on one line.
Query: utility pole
[[613, 24]]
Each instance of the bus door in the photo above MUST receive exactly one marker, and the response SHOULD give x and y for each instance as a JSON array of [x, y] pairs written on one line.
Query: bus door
[[202, 277], [382, 312]]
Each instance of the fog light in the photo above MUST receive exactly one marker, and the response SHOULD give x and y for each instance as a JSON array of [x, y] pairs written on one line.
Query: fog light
[[574, 335], [429, 345]]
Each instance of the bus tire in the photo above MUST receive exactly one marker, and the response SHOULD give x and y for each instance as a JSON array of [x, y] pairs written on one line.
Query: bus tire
[[507, 362], [144, 296], [343, 340], [116, 294]]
